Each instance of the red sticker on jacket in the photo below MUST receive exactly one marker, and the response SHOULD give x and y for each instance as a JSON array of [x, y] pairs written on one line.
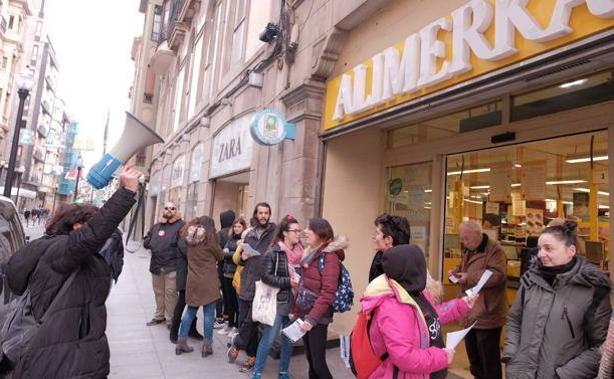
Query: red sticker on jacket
[[161, 233]]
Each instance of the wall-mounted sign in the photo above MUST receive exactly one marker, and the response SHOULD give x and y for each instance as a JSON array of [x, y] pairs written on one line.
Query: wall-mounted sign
[[268, 128], [478, 37], [232, 148]]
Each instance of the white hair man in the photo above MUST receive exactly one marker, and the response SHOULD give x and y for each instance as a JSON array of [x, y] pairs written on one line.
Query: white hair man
[[490, 310]]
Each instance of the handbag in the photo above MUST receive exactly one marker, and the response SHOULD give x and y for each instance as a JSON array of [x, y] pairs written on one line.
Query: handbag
[[20, 325], [264, 305]]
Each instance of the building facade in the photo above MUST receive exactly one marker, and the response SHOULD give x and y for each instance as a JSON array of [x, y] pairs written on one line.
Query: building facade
[[437, 111]]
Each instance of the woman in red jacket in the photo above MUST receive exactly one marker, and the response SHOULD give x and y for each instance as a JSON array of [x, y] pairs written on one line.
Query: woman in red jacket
[[316, 291]]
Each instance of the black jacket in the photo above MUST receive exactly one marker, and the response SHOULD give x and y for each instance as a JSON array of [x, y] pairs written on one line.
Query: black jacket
[[162, 241], [226, 220], [72, 342], [279, 279], [376, 266], [228, 266], [182, 264], [254, 267], [113, 252]]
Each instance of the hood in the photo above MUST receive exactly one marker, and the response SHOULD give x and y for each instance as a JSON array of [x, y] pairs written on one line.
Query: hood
[[173, 220], [227, 218], [337, 246], [381, 289]]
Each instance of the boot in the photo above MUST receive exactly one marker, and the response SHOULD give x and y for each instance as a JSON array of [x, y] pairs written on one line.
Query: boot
[[193, 333], [207, 349], [182, 346]]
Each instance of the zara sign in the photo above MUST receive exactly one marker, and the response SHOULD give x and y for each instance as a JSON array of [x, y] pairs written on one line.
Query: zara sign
[[232, 148], [480, 36]]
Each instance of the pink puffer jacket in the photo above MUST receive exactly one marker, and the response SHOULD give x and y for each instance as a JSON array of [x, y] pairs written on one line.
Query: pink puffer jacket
[[399, 328]]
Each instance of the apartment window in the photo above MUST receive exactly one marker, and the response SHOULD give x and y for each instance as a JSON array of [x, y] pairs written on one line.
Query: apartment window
[[197, 54], [5, 62], [214, 47], [34, 57], [178, 96], [11, 21], [39, 29], [238, 34], [156, 31]]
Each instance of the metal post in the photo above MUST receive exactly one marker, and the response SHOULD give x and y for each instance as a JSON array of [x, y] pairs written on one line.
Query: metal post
[[18, 186], [77, 183], [8, 184]]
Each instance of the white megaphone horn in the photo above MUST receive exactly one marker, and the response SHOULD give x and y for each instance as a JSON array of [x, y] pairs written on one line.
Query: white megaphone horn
[[136, 135]]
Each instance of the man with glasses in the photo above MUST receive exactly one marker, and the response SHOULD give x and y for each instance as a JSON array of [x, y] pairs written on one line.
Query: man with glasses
[[162, 241]]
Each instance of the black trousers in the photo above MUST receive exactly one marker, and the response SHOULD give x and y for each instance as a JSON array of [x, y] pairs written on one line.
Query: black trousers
[[178, 312], [315, 350], [231, 305], [247, 339], [484, 353]]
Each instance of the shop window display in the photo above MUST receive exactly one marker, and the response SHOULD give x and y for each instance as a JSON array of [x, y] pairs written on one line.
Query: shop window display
[[515, 191]]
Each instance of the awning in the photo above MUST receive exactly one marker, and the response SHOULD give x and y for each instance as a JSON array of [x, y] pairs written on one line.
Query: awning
[[22, 192]]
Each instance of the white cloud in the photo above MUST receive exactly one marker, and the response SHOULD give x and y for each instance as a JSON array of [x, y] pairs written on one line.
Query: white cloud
[[92, 40]]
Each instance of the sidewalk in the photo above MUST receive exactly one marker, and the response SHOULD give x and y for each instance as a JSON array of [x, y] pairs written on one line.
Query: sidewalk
[[145, 352]]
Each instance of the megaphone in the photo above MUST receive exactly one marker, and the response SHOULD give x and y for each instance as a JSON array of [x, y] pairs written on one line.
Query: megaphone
[[136, 135]]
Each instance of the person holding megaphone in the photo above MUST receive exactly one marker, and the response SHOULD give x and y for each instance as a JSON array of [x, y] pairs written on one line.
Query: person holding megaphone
[[68, 284]]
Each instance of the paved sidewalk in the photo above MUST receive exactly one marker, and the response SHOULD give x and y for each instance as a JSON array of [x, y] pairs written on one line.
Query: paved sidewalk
[[138, 351]]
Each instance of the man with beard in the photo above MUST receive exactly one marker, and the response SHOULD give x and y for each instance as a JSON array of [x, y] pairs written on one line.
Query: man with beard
[[259, 238], [162, 241]]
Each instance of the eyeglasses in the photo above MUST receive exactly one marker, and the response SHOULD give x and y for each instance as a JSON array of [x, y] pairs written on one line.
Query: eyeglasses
[[294, 230], [169, 208]]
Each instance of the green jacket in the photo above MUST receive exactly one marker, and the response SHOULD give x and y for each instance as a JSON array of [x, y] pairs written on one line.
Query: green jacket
[[557, 330]]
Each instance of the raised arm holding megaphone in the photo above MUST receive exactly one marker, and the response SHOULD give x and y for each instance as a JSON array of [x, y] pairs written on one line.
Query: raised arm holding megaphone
[[136, 135]]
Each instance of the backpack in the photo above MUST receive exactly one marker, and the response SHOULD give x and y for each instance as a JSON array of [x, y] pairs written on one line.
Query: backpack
[[344, 296], [363, 360]]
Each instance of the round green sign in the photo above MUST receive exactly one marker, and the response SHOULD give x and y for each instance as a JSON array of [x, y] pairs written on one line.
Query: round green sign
[[395, 187]]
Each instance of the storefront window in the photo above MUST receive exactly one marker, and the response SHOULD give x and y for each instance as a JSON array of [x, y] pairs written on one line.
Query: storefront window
[[191, 201], [479, 117], [409, 194], [515, 191], [570, 94]]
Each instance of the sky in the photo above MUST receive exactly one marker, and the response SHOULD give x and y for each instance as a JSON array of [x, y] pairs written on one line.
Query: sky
[[92, 42]]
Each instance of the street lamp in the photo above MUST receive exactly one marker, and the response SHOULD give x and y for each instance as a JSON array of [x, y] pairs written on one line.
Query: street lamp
[[19, 170], [25, 82], [79, 167]]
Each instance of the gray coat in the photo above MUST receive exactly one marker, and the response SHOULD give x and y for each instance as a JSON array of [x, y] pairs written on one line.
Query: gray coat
[[559, 328]]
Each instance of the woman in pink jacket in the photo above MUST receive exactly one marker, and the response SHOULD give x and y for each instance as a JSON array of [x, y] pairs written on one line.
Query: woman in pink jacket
[[406, 325]]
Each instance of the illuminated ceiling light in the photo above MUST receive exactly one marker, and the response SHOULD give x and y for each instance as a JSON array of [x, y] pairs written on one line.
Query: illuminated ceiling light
[[564, 202], [427, 207], [604, 206], [517, 165], [472, 171], [587, 159], [555, 182], [428, 190], [473, 201], [603, 193], [574, 83], [516, 184], [479, 187]]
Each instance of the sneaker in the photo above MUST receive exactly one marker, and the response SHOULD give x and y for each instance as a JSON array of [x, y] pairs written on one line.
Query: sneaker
[[218, 324], [155, 321], [225, 331], [232, 354], [248, 365]]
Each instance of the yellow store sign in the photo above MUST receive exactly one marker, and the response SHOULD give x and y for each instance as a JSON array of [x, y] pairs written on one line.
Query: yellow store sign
[[479, 37]]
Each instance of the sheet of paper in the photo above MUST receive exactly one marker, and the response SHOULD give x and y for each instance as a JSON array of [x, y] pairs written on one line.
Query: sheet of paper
[[250, 250], [454, 338], [293, 331], [453, 279], [475, 290]]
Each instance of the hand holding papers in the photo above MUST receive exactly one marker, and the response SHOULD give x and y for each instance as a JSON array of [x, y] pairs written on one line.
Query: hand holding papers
[[294, 331], [248, 252], [475, 290], [454, 338]]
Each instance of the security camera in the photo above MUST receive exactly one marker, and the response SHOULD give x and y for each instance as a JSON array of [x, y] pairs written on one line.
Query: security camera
[[270, 32]]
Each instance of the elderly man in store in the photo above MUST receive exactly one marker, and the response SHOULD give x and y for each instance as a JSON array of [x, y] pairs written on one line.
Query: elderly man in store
[[480, 253]]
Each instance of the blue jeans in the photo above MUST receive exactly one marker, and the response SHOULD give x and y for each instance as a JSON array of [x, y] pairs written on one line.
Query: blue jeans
[[208, 319], [268, 336]]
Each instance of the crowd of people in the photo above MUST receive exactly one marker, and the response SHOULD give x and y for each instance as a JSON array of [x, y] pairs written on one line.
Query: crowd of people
[[557, 326], [38, 215]]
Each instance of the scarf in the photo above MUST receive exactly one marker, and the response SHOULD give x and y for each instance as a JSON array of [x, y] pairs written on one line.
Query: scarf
[[550, 273], [294, 255]]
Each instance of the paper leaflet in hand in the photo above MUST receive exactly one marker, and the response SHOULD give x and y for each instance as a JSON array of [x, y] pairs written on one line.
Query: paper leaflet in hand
[[454, 338], [293, 331], [475, 290], [453, 279], [250, 250]]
